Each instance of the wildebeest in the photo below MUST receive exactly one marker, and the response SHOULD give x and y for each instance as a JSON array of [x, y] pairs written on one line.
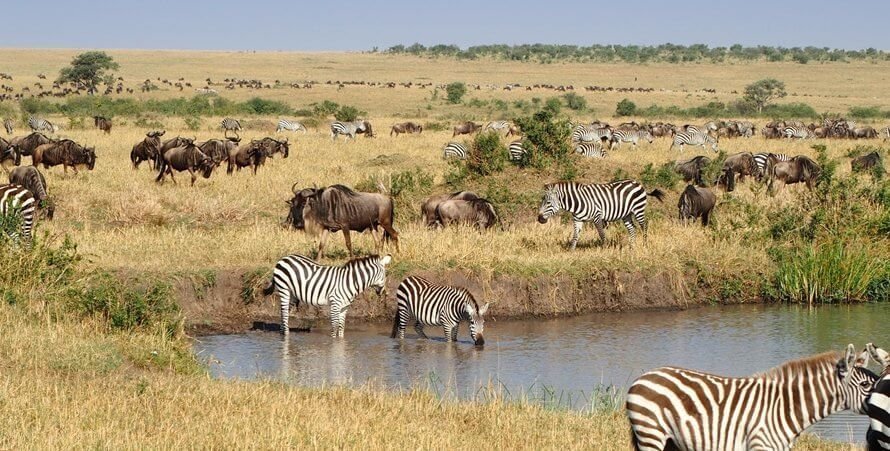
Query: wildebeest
[[691, 169], [31, 178], [339, 208], [742, 164], [365, 129], [466, 128], [251, 154], [218, 149], [696, 203], [865, 162], [800, 169], [863, 132], [8, 153], [26, 144], [65, 152], [102, 123], [187, 158], [274, 146], [478, 213], [148, 149], [406, 127], [428, 207]]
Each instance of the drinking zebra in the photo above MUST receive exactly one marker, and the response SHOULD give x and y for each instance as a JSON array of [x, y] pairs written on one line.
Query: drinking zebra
[[675, 408], [624, 200], [455, 150], [299, 279], [9, 125], [629, 136], [878, 435], [763, 162], [41, 125], [428, 304], [798, 132], [17, 206], [592, 149], [291, 126], [347, 129], [516, 150], [230, 125], [693, 138]]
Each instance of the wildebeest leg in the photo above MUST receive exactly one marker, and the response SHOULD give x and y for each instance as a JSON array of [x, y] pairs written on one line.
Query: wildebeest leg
[[705, 218], [393, 235], [348, 240], [576, 232], [194, 177], [170, 172], [324, 236], [378, 244]]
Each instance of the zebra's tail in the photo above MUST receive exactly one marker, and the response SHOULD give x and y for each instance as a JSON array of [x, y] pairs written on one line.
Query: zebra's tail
[[270, 288], [634, 441], [657, 193], [395, 325]]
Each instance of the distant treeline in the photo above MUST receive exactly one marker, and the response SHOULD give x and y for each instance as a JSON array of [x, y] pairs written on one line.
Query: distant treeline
[[669, 53], [185, 107]]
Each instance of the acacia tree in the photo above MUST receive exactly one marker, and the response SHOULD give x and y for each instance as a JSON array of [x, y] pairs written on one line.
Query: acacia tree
[[88, 69], [762, 92]]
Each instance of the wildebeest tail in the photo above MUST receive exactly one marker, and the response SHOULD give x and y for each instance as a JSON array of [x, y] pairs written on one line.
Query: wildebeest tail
[[657, 193]]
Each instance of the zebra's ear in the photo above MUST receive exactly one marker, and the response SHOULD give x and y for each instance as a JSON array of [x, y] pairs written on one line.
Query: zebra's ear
[[386, 259], [881, 356], [850, 357], [483, 309]]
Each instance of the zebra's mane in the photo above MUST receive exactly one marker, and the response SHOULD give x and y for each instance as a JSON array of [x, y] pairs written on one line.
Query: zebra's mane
[[794, 366], [359, 260]]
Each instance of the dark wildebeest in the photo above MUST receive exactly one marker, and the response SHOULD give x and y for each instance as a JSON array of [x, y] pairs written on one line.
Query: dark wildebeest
[[366, 130], [865, 162], [274, 146], [147, 150], [691, 169], [742, 164], [406, 127], [27, 144], [726, 179], [466, 128], [218, 149], [696, 203], [102, 123], [32, 179], [8, 153], [478, 213], [65, 152], [252, 154], [863, 132], [187, 158], [800, 169], [339, 208], [428, 207]]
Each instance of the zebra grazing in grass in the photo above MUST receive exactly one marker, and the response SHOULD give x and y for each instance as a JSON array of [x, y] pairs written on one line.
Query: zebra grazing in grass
[[594, 149], [675, 408], [428, 304], [584, 133], [878, 435], [347, 129], [798, 132], [764, 161], [299, 279], [497, 126], [455, 150], [516, 150], [291, 126], [41, 125], [629, 136], [230, 125], [624, 200], [693, 138], [9, 125], [17, 206]]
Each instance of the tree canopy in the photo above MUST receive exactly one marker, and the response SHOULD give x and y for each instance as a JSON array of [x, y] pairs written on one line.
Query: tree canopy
[[88, 69], [762, 92]]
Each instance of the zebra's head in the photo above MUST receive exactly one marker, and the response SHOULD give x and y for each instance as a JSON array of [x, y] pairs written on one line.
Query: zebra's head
[[378, 273], [855, 380], [550, 205], [881, 356], [477, 322]]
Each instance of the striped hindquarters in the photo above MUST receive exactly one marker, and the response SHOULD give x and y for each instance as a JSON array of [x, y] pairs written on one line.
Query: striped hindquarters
[[229, 124], [584, 133], [878, 435], [761, 160], [630, 136], [694, 138], [516, 150], [348, 129], [592, 149], [455, 150], [41, 125], [17, 206]]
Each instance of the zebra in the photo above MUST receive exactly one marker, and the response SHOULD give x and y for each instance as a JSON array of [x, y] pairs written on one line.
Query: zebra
[[347, 129], [623, 200], [497, 126], [593, 149], [885, 132], [798, 132], [762, 162], [455, 150], [293, 126], [674, 408], [586, 133], [40, 125], [878, 435], [629, 136], [230, 125], [9, 125], [17, 204], [428, 304], [299, 279], [693, 138], [516, 150]]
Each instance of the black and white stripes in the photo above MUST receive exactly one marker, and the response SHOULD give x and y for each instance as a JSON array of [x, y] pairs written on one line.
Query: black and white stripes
[[17, 206], [878, 402], [594, 149], [798, 132], [347, 129], [516, 150], [630, 136], [230, 125], [427, 304], [455, 150], [694, 138], [291, 126], [41, 125], [9, 125]]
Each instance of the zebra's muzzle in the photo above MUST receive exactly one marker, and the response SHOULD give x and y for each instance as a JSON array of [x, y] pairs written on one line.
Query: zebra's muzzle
[[479, 341], [542, 219]]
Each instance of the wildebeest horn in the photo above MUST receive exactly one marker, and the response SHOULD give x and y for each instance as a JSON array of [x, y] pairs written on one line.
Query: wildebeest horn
[[294, 187]]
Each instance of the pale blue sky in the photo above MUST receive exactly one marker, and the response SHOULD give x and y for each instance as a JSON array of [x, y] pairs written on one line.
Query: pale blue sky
[[361, 25]]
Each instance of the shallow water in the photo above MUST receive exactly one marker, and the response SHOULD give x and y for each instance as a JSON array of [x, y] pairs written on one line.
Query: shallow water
[[558, 361]]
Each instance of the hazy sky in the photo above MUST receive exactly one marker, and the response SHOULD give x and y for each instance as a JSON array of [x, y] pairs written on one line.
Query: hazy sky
[[355, 25]]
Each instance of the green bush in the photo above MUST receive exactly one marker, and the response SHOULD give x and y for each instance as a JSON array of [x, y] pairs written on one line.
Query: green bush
[[193, 123], [546, 140], [257, 105], [553, 105], [575, 102], [127, 308], [348, 113], [663, 177], [324, 109], [867, 112], [626, 108], [830, 272], [487, 154], [455, 92]]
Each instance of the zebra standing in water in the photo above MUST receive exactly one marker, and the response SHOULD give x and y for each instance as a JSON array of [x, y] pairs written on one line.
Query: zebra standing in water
[[624, 200], [428, 304], [798, 132], [593, 149], [347, 129], [17, 204], [629, 136], [291, 126], [674, 408], [455, 150], [693, 138], [41, 125], [878, 435], [299, 279], [516, 150], [9, 125], [230, 125]]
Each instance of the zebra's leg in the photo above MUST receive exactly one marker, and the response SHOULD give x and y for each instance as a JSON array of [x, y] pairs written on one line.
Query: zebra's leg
[[450, 332], [284, 305], [600, 230], [341, 322], [576, 233], [418, 327], [335, 318], [629, 224]]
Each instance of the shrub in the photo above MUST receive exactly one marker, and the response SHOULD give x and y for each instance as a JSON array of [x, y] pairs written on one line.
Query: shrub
[[487, 154], [833, 271], [575, 102], [663, 177], [193, 123], [553, 105], [348, 113], [546, 140], [455, 91], [257, 105], [324, 109], [862, 112], [626, 108]]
